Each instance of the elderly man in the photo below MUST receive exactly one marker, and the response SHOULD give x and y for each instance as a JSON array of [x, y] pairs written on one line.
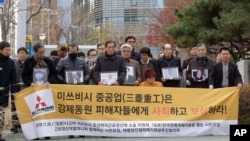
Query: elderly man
[[201, 62], [167, 63], [131, 41], [110, 62], [126, 50]]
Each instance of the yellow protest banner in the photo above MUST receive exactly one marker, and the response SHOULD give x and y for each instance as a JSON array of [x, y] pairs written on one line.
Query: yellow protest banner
[[125, 111]]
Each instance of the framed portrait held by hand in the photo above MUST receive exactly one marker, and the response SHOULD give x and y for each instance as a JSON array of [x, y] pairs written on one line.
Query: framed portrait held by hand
[[40, 76], [130, 75], [199, 75], [170, 73], [109, 78], [74, 76]]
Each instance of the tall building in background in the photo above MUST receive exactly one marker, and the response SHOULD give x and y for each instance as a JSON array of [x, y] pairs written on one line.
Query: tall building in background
[[88, 22], [117, 19]]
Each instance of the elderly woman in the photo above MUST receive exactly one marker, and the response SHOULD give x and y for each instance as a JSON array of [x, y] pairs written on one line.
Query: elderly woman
[[150, 80]]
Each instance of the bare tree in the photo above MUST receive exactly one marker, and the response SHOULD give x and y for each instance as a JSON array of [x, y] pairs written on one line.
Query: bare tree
[[7, 18]]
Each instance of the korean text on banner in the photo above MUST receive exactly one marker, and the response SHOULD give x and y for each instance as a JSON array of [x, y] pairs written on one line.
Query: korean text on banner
[[124, 111]]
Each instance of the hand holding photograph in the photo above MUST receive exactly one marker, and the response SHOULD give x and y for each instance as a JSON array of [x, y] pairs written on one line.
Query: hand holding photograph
[[199, 75], [170, 73], [130, 75], [109, 78], [74, 76], [40, 76]]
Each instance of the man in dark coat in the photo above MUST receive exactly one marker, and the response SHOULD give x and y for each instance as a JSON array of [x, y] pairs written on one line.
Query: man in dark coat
[[110, 62], [168, 61], [38, 60], [8, 80], [201, 62], [225, 73]]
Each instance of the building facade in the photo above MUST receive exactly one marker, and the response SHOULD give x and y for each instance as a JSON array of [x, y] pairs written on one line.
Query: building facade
[[117, 19]]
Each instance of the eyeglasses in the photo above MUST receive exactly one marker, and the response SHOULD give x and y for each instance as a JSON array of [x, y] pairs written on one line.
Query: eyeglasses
[[131, 41]]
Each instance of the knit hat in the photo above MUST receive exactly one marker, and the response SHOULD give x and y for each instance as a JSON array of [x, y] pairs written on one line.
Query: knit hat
[[150, 73]]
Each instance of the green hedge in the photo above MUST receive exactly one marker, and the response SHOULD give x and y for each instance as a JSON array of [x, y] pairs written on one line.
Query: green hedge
[[244, 105]]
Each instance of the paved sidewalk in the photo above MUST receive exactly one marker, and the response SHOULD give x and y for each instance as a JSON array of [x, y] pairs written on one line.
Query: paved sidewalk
[[19, 137]]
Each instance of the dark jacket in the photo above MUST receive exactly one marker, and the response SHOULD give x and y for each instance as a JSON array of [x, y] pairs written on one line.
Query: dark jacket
[[30, 63], [7, 78], [19, 69], [172, 62], [216, 76], [185, 63], [106, 63], [69, 64], [198, 63]]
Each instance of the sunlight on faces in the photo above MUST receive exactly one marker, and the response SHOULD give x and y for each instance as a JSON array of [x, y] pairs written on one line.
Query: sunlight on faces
[[61, 53], [193, 51], [73, 50], [151, 79], [126, 50], [22, 55], [110, 49], [144, 57], [92, 54], [101, 50], [201, 51], [131, 42], [40, 53], [6, 51], [168, 50], [225, 56]]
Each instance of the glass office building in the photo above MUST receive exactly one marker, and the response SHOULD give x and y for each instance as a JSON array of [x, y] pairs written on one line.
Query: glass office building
[[118, 18]]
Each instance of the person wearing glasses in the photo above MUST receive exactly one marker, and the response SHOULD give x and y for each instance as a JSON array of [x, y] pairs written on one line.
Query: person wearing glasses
[[131, 41], [110, 62], [200, 62]]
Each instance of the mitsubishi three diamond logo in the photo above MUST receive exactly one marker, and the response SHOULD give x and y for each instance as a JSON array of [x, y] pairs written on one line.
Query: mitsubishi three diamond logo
[[40, 102]]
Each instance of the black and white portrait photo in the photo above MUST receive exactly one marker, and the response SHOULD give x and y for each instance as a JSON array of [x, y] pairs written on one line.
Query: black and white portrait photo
[[74, 77], [170, 73], [40, 76], [108, 78], [130, 75], [199, 74]]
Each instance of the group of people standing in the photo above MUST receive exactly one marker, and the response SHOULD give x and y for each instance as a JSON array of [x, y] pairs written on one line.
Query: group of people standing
[[197, 71]]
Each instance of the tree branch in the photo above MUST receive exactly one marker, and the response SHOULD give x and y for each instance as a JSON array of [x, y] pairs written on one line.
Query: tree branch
[[34, 14]]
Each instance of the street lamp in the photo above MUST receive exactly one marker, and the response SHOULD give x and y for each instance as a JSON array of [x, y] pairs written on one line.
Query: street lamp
[[42, 37], [98, 28]]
